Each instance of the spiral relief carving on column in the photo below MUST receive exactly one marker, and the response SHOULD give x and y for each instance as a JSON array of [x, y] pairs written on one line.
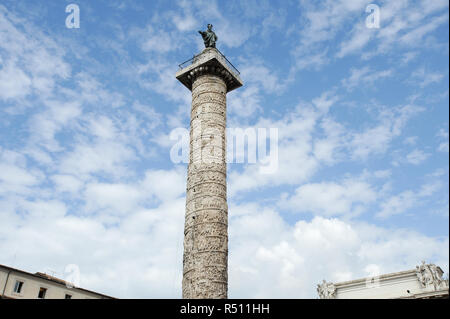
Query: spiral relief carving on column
[[206, 224], [210, 76]]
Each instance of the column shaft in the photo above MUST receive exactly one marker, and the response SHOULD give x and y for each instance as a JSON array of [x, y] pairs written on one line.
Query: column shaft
[[205, 259]]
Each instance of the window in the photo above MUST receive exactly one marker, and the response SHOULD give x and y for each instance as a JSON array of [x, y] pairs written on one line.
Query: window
[[42, 292], [18, 286], [68, 296]]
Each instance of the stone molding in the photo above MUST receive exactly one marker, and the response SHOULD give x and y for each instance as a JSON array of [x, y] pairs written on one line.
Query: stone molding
[[423, 282], [210, 62]]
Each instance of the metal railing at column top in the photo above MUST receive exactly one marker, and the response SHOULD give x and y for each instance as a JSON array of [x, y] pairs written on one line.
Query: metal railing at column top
[[190, 61]]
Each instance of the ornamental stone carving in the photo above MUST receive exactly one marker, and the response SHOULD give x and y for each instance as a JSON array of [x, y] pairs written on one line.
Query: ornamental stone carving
[[430, 277], [326, 290], [205, 260]]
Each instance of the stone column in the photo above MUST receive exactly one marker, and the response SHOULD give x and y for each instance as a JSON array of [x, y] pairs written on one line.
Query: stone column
[[205, 259]]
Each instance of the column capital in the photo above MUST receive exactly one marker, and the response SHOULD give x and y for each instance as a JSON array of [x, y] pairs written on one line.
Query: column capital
[[212, 62]]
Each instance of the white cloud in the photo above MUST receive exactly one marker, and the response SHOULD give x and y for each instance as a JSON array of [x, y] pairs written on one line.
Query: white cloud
[[246, 102], [15, 179], [162, 80], [67, 183], [326, 19], [443, 146], [56, 116], [121, 199], [332, 199], [254, 72], [122, 222], [148, 242], [364, 77], [93, 92], [31, 60], [165, 185], [15, 176], [103, 127], [417, 157], [411, 140], [329, 148], [361, 36], [158, 40], [113, 198], [424, 78], [414, 36], [406, 200], [295, 161], [233, 31], [302, 149], [377, 139], [292, 260], [398, 204], [107, 157], [409, 56], [14, 83], [404, 24]]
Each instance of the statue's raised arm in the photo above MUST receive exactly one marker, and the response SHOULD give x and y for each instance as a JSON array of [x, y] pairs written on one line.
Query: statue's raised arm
[[209, 37]]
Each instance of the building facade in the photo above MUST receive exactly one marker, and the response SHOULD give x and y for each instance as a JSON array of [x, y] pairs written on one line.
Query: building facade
[[425, 281], [19, 284]]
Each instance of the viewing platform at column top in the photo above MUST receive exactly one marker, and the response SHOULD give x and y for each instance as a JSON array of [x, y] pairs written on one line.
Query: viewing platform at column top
[[212, 62]]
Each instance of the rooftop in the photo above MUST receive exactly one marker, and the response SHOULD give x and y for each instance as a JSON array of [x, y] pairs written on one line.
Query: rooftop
[[52, 279]]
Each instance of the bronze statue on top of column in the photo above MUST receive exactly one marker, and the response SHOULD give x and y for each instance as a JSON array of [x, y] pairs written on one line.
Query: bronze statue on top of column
[[209, 37]]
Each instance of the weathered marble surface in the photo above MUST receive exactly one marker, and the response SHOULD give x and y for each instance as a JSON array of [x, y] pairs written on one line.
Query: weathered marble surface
[[426, 281], [205, 261]]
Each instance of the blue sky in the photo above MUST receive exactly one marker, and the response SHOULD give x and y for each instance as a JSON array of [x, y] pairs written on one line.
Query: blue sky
[[362, 115]]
